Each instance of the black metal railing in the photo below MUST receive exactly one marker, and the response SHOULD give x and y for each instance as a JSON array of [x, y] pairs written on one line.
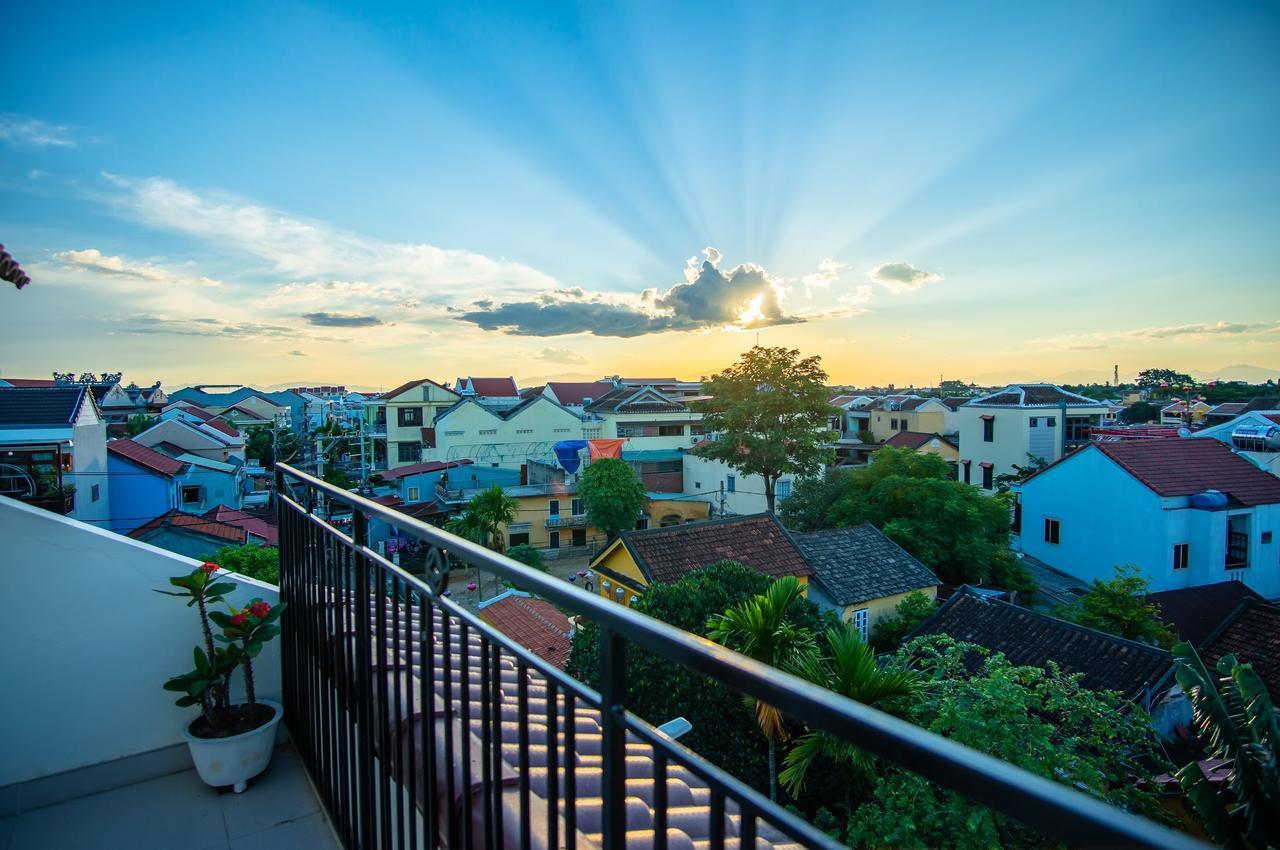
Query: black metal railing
[[423, 726]]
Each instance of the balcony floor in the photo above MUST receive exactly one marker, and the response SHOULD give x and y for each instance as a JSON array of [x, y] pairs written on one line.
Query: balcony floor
[[278, 810]]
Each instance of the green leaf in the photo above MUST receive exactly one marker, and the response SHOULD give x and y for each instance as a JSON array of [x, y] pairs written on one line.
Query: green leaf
[[197, 686], [202, 661], [218, 590], [183, 702]]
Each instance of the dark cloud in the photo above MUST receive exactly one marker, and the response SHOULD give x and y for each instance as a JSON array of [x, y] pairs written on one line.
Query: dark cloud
[[901, 277], [342, 320], [744, 296], [296, 353]]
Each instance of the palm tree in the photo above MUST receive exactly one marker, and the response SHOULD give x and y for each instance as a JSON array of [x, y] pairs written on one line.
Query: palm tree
[[759, 628], [852, 672], [493, 510]]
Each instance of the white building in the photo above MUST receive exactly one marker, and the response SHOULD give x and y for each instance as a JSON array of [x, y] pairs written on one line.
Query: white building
[[729, 491], [506, 437], [177, 434], [1019, 423], [1187, 512], [1254, 435], [647, 418]]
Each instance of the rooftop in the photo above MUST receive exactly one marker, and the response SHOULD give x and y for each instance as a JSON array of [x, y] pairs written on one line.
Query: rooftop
[[191, 523], [419, 468], [535, 624], [22, 407], [1196, 612], [1033, 395], [571, 392], [145, 457], [914, 439], [1252, 634], [1184, 467], [758, 541], [859, 564]]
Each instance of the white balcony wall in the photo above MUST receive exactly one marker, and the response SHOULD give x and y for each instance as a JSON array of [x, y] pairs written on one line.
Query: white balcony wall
[[85, 644]]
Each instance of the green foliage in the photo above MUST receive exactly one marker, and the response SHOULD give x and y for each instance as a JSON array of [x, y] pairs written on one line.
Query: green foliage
[[1140, 413], [771, 412], [527, 555], [1236, 718], [339, 478], [139, 422], [866, 436], [265, 444], [1020, 473], [260, 562], [612, 495], [1153, 378], [1120, 607], [484, 518], [911, 612], [724, 728], [1040, 720]]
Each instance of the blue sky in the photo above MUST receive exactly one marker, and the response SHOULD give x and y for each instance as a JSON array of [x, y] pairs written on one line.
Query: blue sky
[[313, 192]]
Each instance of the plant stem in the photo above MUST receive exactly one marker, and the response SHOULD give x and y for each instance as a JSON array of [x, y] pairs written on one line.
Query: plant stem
[[248, 679]]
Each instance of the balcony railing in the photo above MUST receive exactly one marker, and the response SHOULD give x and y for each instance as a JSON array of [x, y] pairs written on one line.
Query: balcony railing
[[423, 726], [566, 521]]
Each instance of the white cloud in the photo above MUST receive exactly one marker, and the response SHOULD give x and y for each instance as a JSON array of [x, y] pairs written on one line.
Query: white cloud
[[899, 277], [91, 259], [24, 131], [860, 295], [561, 355], [1208, 329], [828, 273]]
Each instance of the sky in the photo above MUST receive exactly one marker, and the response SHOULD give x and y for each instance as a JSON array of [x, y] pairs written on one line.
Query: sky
[[303, 193]]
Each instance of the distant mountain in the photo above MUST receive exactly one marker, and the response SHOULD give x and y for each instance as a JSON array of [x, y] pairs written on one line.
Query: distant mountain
[[1240, 372]]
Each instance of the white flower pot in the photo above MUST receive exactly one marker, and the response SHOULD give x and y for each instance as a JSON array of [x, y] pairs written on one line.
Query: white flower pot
[[237, 759]]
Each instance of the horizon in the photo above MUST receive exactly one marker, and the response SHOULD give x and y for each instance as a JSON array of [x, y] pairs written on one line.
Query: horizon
[[560, 192]]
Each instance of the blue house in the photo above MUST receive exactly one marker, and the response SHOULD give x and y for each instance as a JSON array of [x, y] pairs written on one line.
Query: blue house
[[151, 484], [297, 405]]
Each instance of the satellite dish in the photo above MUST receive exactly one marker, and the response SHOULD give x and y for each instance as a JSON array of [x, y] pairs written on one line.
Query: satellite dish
[[1184, 432]]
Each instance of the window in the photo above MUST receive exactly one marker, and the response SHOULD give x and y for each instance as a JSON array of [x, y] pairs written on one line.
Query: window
[[454, 433], [1051, 422], [642, 523], [577, 508], [670, 430], [989, 430], [893, 424], [902, 426], [413, 494], [861, 623], [192, 496], [488, 432], [966, 466], [697, 429], [553, 540], [783, 489], [410, 417], [1266, 535], [520, 538], [562, 430], [524, 430], [986, 478], [409, 452], [1052, 530], [96, 492], [553, 507], [579, 537], [1035, 421], [1181, 556], [731, 483]]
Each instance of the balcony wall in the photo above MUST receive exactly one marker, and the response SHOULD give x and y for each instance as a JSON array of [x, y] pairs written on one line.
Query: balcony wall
[[85, 645]]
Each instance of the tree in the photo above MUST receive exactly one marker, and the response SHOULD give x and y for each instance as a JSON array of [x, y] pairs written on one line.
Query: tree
[[1153, 378], [339, 478], [760, 628], [260, 562], [851, 671], [139, 422], [1233, 713], [612, 495], [1006, 480], [267, 443], [527, 555], [911, 612], [492, 510], [771, 413], [1038, 719], [1139, 413], [1120, 607], [724, 729]]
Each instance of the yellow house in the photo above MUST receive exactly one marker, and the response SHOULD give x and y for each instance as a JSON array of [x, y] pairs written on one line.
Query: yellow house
[[894, 414], [861, 574], [929, 444], [639, 558]]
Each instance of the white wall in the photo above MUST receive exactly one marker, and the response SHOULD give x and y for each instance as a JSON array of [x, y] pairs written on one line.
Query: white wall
[[85, 645], [529, 435], [708, 478]]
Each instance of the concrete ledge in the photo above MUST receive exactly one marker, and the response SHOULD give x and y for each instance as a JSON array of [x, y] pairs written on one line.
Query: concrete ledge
[[81, 782]]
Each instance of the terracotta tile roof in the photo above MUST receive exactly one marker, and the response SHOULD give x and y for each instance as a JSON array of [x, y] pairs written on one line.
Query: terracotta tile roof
[[494, 386], [220, 424], [535, 624], [955, 402], [759, 541], [195, 410], [414, 469], [1028, 638], [619, 401], [578, 392], [1195, 612], [26, 406], [257, 525], [1228, 408], [1034, 395], [859, 564], [408, 385], [1187, 466], [145, 457], [1252, 635], [914, 439], [30, 383], [191, 523]]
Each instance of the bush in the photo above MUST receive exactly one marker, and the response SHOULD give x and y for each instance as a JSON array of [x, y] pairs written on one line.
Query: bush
[[911, 612], [260, 562]]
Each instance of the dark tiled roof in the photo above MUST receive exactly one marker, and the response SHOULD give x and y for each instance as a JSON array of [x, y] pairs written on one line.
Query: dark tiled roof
[[617, 401], [1028, 638], [1034, 395], [759, 541], [1194, 612], [1228, 408], [193, 524], [40, 405], [405, 387], [954, 402], [1262, 403], [1187, 466], [219, 424], [578, 392], [913, 403], [430, 466], [914, 439], [145, 457], [535, 624], [860, 564], [256, 524], [494, 386], [1053, 586], [1252, 635]]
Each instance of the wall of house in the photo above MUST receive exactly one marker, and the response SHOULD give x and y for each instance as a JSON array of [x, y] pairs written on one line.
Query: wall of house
[[137, 494], [219, 488], [877, 609], [928, 418], [688, 422], [432, 400], [1013, 437], [709, 479], [183, 542], [194, 441], [89, 468], [618, 560], [82, 677], [676, 511], [531, 519], [471, 431]]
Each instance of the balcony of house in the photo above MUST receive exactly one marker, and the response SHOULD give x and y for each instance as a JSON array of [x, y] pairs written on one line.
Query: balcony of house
[[567, 521], [93, 752], [34, 474], [423, 726]]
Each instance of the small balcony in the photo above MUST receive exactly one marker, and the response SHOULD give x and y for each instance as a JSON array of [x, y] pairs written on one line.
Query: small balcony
[[567, 521], [61, 502]]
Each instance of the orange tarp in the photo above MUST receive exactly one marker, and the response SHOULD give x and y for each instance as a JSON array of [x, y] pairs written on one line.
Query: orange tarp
[[605, 448]]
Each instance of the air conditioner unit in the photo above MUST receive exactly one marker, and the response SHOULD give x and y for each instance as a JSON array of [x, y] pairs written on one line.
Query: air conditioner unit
[[695, 439]]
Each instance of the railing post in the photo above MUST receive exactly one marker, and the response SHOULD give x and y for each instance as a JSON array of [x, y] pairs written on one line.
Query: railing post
[[613, 709], [368, 803]]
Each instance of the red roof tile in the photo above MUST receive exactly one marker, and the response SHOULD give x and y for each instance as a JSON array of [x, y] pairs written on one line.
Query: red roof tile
[[571, 392], [195, 410], [500, 387], [30, 383], [758, 541], [1187, 466], [535, 624], [193, 523], [408, 385], [414, 469], [914, 439], [219, 424], [255, 525], [1252, 635], [145, 457]]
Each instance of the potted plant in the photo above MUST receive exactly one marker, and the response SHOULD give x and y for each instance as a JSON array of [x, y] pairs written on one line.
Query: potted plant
[[230, 744]]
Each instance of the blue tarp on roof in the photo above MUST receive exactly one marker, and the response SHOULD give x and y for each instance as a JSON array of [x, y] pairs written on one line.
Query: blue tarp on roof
[[567, 453]]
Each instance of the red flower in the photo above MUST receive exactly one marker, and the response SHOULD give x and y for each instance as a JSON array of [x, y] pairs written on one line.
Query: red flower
[[259, 609], [237, 619], [209, 567]]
